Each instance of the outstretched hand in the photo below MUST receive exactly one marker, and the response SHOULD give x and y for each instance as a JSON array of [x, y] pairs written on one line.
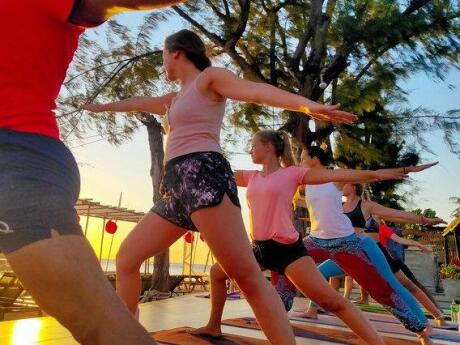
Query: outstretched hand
[[418, 168], [330, 113], [433, 221], [424, 248]]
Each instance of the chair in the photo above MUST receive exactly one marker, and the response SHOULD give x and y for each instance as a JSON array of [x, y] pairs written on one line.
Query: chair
[[153, 295], [13, 297]]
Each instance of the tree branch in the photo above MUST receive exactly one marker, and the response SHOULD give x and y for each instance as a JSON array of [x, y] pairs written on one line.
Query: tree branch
[[245, 6], [134, 58], [227, 9], [211, 36], [216, 11], [282, 33], [229, 48], [272, 54], [415, 5], [406, 37], [248, 65]]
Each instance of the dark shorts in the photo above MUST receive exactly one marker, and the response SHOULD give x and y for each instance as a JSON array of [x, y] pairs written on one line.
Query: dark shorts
[[39, 186], [275, 256], [394, 264], [192, 182]]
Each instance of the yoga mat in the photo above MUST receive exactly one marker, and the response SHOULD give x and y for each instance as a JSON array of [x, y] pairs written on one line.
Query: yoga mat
[[230, 297], [391, 319], [377, 308], [319, 333], [179, 336], [381, 326]]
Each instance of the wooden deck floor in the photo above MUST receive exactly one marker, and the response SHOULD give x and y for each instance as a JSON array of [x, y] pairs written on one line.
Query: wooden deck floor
[[166, 314]]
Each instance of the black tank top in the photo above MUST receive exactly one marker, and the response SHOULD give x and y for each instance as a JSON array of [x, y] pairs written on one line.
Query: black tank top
[[357, 217], [372, 226]]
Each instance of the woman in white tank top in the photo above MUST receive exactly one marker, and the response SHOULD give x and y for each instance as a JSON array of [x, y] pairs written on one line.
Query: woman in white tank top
[[333, 237]]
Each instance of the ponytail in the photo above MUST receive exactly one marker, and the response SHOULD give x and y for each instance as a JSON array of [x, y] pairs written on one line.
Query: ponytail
[[282, 144], [287, 158]]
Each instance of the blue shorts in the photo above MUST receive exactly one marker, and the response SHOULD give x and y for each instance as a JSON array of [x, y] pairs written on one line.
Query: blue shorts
[[39, 186]]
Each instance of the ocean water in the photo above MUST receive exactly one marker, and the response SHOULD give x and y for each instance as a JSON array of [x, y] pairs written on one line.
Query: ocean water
[[174, 268], [109, 266]]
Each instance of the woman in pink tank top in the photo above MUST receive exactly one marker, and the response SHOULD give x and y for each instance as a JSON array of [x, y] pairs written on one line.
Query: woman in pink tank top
[[198, 188]]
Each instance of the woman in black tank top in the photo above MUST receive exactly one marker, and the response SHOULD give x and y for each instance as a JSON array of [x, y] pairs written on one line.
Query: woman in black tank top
[[361, 217], [356, 216]]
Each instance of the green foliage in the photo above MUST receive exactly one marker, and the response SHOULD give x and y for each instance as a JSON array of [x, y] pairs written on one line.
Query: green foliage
[[456, 201], [361, 49], [364, 47], [428, 213], [109, 67], [450, 271]]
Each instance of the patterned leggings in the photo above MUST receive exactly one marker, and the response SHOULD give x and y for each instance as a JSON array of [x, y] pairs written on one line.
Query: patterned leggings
[[370, 271]]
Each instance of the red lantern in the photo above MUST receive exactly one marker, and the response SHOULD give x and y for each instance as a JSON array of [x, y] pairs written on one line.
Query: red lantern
[[189, 237], [202, 237], [111, 227]]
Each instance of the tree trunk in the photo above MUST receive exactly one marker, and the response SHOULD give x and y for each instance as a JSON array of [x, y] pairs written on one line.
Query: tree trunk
[[160, 277]]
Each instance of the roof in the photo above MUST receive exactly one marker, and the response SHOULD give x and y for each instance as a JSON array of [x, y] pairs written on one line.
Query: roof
[[88, 207], [452, 226]]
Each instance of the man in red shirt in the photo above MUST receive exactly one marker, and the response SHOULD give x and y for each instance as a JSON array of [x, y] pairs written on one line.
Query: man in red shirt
[[39, 179]]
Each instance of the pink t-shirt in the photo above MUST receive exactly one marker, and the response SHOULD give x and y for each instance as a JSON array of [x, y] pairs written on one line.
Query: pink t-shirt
[[270, 202]]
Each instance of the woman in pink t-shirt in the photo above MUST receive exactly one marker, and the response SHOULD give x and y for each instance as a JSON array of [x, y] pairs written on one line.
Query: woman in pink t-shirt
[[277, 245]]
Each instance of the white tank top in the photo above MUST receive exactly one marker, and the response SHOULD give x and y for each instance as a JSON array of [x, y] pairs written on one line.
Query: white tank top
[[324, 204]]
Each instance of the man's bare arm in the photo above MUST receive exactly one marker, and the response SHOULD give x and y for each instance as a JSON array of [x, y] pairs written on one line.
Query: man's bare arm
[[94, 12]]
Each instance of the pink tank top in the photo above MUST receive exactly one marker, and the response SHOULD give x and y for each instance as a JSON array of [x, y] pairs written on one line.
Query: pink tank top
[[193, 123]]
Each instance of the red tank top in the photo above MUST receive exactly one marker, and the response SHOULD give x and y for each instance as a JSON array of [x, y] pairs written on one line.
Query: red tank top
[[37, 46]]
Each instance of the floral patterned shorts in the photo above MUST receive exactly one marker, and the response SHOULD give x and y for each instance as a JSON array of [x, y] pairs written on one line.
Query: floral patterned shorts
[[192, 182]]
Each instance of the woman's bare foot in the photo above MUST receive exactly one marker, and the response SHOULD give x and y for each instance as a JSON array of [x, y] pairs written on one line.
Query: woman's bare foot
[[309, 314], [208, 330], [360, 301], [424, 337], [318, 309], [440, 322]]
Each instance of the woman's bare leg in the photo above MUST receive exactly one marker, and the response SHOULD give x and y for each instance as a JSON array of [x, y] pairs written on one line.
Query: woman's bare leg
[[223, 228], [419, 295], [151, 236], [364, 296], [348, 287], [334, 282], [304, 274], [65, 278], [218, 298]]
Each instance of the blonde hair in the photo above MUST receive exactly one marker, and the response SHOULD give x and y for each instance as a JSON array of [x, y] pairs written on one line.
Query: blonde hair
[[282, 144]]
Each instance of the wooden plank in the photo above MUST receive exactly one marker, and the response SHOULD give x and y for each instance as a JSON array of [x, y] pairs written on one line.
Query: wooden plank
[[333, 335], [180, 336]]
